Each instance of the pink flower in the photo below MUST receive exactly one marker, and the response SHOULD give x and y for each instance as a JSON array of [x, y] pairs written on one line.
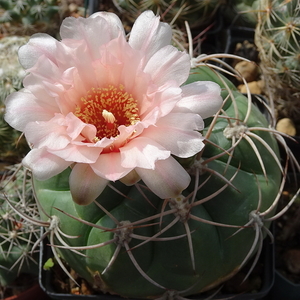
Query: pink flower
[[109, 108]]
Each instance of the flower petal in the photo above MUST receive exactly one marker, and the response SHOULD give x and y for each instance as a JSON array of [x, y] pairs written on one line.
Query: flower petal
[[98, 29], [43, 164], [40, 134], [149, 35], [22, 108], [177, 133], [201, 97], [88, 29], [168, 64], [142, 152], [80, 153], [167, 180], [39, 44], [85, 185], [131, 178], [109, 166]]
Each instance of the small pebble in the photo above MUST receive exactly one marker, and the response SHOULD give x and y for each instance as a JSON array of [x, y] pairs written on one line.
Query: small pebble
[[249, 70], [255, 87], [292, 260], [286, 126]]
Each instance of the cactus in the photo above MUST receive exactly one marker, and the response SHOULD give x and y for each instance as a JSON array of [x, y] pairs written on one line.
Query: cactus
[[277, 37], [136, 245], [196, 13], [17, 236], [132, 243], [13, 147], [21, 17], [11, 72], [241, 13]]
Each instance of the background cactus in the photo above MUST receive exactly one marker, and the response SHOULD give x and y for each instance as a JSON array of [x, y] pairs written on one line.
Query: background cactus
[[17, 235], [137, 245], [277, 37], [13, 147], [197, 13], [19, 17], [241, 13]]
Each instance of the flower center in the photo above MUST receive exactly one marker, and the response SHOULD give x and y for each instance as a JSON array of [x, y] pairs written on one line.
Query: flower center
[[107, 109]]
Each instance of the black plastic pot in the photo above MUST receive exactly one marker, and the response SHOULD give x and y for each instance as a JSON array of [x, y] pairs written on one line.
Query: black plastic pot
[[294, 145], [284, 289]]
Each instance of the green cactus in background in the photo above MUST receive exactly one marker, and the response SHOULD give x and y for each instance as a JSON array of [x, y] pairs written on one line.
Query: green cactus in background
[[21, 17], [277, 37], [17, 235], [132, 243], [241, 13], [196, 12], [12, 146], [11, 72]]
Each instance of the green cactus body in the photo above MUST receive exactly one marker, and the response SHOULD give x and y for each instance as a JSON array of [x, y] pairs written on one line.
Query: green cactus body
[[180, 251]]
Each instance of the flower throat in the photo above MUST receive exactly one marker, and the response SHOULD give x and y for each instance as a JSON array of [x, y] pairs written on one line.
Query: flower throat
[[107, 109]]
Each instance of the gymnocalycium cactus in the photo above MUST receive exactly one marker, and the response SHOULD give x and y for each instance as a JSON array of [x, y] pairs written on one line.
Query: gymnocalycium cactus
[[137, 245], [118, 113], [277, 37]]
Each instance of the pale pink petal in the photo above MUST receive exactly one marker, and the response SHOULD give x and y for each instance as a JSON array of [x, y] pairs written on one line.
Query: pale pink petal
[[59, 132], [163, 102], [45, 69], [142, 152], [131, 178], [98, 29], [167, 180], [45, 97], [22, 108], [115, 25], [168, 64], [95, 31], [40, 44], [76, 127], [202, 97], [78, 153], [85, 185], [47, 134], [149, 35], [109, 166], [177, 132], [43, 164], [83, 57], [119, 63]]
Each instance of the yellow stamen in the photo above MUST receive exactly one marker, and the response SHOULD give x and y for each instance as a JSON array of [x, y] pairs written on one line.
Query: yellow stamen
[[108, 108]]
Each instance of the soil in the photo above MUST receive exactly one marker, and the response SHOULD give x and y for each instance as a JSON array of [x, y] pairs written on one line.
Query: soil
[[21, 284]]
